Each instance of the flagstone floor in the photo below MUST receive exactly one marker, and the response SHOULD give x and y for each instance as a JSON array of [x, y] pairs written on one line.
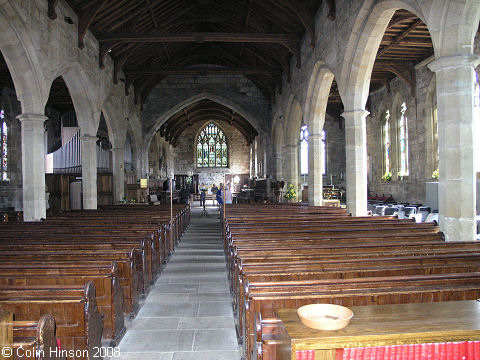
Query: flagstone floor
[[188, 313]]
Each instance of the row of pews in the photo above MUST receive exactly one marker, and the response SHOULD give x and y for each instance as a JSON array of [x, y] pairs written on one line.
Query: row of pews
[[287, 256], [87, 269]]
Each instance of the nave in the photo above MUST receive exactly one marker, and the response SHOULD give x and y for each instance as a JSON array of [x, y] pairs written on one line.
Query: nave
[[188, 313]]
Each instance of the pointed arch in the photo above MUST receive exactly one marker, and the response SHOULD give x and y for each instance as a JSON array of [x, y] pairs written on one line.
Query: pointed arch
[[161, 119], [23, 63], [362, 48], [80, 88], [319, 87]]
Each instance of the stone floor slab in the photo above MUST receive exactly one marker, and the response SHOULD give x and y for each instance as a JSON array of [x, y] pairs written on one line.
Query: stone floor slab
[[204, 323], [158, 341], [222, 339]]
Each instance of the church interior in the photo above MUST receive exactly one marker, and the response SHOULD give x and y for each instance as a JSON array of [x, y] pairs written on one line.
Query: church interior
[[179, 177]]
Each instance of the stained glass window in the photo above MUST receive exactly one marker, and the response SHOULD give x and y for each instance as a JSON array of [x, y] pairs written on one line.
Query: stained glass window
[[4, 150], [304, 151], [212, 149], [403, 140], [386, 141]]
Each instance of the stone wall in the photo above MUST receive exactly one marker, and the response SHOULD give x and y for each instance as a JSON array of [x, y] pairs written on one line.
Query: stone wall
[[238, 152], [11, 191], [174, 90], [410, 188]]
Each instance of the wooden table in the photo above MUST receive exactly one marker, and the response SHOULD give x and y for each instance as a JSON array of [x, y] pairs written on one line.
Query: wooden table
[[381, 325]]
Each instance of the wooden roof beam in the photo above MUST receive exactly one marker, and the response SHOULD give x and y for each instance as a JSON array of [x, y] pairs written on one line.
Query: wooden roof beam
[[200, 37], [288, 41], [206, 71], [85, 19], [305, 17], [409, 80], [120, 61], [152, 15], [399, 38], [246, 22]]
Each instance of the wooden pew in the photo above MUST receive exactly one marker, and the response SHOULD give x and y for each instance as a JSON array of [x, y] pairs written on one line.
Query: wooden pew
[[326, 258], [129, 275], [266, 298], [109, 295], [142, 251], [30, 340], [416, 265], [79, 323], [36, 340]]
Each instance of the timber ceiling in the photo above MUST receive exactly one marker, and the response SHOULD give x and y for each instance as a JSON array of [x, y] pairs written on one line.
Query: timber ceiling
[[205, 110], [151, 39]]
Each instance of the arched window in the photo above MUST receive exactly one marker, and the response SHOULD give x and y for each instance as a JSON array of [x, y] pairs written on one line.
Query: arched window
[[212, 149], [403, 140], [386, 142], [304, 151], [4, 149]]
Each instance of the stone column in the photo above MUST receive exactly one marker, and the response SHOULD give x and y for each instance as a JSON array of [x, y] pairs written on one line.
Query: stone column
[[89, 171], [141, 162], [253, 165], [456, 186], [118, 155], [291, 158], [356, 154], [277, 160], [315, 170], [33, 166]]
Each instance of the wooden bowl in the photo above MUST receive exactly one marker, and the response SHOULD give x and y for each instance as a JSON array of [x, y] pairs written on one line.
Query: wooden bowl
[[325, 316]]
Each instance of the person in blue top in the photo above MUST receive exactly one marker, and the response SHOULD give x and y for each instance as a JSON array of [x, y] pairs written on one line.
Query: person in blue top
[[220, 195]]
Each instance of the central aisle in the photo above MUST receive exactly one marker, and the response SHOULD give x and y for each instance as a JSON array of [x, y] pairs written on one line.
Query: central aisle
[[188, 313]]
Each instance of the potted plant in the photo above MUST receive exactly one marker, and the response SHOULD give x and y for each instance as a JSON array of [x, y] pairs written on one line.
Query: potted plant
[[435, 174], [290, 193], [387, 176]]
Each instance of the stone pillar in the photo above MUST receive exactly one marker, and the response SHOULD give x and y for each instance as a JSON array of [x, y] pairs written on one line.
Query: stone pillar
[[456, 186], [33, 166], [141, 163], [291, 158], [253, 165], [89, 171], [315, 170], [356, 154], [277, 160], [118, 155]]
